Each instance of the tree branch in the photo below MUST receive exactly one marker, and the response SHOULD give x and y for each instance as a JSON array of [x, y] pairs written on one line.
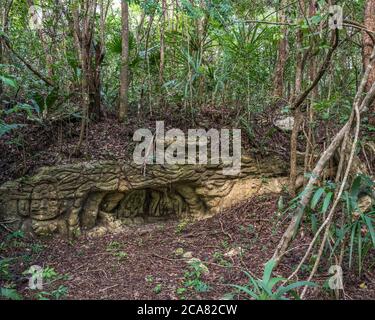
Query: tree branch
[[28, 65], [302, 97]]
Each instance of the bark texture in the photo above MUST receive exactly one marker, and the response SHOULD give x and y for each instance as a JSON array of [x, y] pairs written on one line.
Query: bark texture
[[368, 45], [124, 81]]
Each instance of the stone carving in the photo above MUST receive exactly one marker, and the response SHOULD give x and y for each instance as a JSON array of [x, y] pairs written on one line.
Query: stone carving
[[70, 198]]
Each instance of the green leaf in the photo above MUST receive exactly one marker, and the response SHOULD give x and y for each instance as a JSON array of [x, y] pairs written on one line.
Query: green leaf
[[356, 187], [348, 202], [8, 81], [371, 230], [266, 288], [10, 294], [327, 202], [52, 97], [316, 19], [268, 270], [359, 250], [253, 281], [275, 281], [6, 128], [352, 236], [283, 290], [316, 198], [247, 291]]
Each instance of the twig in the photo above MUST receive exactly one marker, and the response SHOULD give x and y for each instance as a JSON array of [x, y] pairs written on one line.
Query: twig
[[8, 221], [169, 259], [110, 287], [225, 232], [5, 227]]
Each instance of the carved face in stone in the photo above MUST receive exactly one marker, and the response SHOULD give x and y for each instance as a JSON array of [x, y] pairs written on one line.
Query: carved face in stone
[[44, 209], [23, 207], [44, 203]]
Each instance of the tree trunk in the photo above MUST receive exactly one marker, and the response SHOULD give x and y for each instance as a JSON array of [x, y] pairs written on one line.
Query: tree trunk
[[310, 144], [97, 53], [83, 34], [298, 117], [124, 87], [282, 56], [162, 42], [368, 45], [2, 17], [46, 47], [4, 22]]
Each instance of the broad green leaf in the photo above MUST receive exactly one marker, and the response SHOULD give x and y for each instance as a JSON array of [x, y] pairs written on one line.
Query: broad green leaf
[[327, 202], [316, 198], [268, 270], [275, 281], [356, 187], [370, 227], [247, 291], [352, 237], [283, 290], [266, 288], [8, 81], [359, 249]]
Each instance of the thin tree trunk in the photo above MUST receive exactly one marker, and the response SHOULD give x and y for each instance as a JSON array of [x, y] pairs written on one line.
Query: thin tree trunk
[[368, 45], [124, 81], [147, 62], [84, 35], [298, 117], [162, 42], [4, 22], [282, 56], [45, 46], [314, 96]]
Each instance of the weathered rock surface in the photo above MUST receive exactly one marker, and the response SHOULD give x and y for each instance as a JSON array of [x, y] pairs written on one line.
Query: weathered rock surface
[[285, 124], [68, 199]]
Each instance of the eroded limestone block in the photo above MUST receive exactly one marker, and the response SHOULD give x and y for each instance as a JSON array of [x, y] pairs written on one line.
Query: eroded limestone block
[[111, 201], [69, 198], [132, 205]]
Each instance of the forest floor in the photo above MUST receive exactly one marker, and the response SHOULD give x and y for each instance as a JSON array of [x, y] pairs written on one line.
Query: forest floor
[[147, 262]]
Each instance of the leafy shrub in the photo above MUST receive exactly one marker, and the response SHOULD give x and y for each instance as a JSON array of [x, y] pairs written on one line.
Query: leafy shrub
[[269, 288]]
